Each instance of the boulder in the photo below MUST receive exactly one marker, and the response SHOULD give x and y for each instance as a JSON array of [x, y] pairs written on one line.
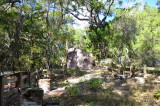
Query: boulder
[[32, 97], [77, 58], [122, 77], [44, 84], [158, 78], [140, 80]]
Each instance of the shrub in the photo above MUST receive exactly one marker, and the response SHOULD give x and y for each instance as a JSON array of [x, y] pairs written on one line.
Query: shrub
[[157, 95], [90, 104], [32, 85], [72, 90], [75, 72], [94, 84], [52, 84]]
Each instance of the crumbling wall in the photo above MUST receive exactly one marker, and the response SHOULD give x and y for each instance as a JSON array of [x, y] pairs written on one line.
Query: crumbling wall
[[77, 58]]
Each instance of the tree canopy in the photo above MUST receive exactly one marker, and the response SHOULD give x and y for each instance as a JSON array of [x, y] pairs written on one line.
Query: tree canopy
[[38, 33]]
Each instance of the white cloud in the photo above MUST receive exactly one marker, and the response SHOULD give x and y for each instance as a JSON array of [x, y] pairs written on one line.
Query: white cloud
[[80, 24]]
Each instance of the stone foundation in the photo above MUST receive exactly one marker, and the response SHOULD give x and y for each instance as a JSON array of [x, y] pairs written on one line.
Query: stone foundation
[[44, 84]]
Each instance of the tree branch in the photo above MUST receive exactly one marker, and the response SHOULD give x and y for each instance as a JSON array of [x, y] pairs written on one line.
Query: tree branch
[[82, 19], [95, 20], [112, 1]]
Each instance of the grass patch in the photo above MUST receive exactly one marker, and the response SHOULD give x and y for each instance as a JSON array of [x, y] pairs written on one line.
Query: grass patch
[[157, 94], [105, 92], [75, 72], [94, 84], [72, 91], [97, 71]]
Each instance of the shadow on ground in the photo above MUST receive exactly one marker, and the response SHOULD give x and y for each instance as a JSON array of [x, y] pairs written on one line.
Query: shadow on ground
[[107, 91]]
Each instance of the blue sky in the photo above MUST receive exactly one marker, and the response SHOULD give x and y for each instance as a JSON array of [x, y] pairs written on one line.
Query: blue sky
[[151, 2]]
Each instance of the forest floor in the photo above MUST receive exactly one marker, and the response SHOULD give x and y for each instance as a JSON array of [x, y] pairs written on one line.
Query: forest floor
[[98, 87]]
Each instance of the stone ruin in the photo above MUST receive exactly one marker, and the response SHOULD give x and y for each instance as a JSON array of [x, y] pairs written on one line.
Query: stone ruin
[[77, 58], [34, 97]]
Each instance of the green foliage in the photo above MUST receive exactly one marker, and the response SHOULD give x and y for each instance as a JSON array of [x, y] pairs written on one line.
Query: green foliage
[[34, 36], [25, 61], [157, 95], [28, 42], [147, 41], [94, 84], [124, 32], [97, 40], [32, 85], [75, 72], [90, 104], [52, 84], [79, 39], [158, 4], [72, 91]]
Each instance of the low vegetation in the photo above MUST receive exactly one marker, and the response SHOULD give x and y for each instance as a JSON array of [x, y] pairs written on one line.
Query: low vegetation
[[108, 91], [157, 95]]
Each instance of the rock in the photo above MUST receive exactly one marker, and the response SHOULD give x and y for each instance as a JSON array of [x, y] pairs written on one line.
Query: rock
[[140, 80], [158, 78], [32, 97], [49, 102], [13, 100], [77, 58], [28, 103], [115, 76], [122, 77], [44, 84]]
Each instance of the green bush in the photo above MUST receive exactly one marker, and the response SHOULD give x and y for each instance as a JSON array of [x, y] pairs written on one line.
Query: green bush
[[32, 85], [72, 90], [52, 84], [94, 84], [157, 95]]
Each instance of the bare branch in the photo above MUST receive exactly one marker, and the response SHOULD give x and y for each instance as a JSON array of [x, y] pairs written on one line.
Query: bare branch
[[81, 14], [82, 19]]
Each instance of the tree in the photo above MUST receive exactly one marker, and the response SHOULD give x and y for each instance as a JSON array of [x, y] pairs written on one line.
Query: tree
[[147, 41], [158, 4], [123, 31], [30, 37], [89, 10]]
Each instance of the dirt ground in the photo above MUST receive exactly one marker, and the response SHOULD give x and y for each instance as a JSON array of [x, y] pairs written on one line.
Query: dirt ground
[[115, 91], [112, 92]]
